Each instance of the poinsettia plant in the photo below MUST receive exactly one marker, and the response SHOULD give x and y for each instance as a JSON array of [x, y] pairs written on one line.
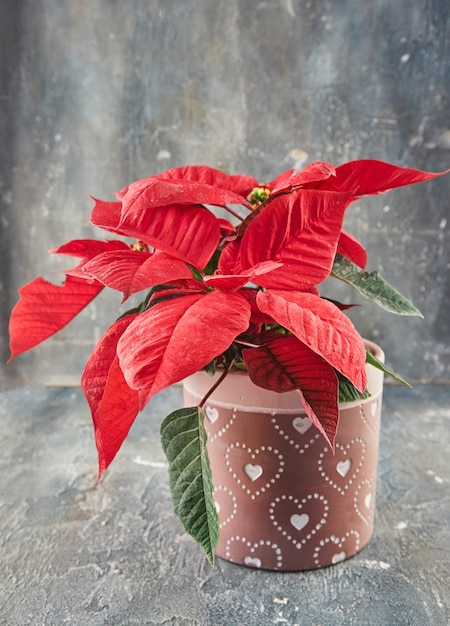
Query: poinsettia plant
[[219, 293]]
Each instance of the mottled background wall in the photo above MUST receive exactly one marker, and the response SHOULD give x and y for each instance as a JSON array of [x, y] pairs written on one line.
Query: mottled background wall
[[95, 94]]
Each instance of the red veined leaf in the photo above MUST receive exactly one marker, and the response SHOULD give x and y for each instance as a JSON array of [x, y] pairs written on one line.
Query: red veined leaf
[[130, 271], [106, 215], [155, 192], [236, 281], [321, 326], [95, 373], [177, 337], [226, 227], [285, 364], [301, 230], [257, 318], [113, 404], [177, 289], [237, 183], [190, 233], [88, 248], [350, 247], [115, 415], [229, 258], [45, 308], [317, 171], [368, 176]]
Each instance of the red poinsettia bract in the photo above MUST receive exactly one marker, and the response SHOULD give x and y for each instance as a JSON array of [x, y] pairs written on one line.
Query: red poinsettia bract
[[218, 291]]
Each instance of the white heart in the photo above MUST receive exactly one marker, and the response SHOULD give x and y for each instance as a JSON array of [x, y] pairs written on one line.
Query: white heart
[[253, 471], [212, 414], [368, 500], [337, 558], [302, 424], [299, 521], [373, 408], [252, 561], [343, 467]]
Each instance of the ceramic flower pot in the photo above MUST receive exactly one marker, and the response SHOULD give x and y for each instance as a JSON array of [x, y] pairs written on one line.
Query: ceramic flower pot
[[285, 501]]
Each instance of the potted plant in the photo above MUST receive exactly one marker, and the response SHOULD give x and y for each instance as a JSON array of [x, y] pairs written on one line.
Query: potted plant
[[226, 291]]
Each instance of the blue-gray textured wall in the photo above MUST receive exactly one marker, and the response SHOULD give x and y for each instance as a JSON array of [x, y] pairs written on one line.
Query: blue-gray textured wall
[[95, 94]]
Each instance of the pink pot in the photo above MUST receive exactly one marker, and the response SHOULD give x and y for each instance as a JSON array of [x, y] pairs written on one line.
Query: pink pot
[[285, 501]]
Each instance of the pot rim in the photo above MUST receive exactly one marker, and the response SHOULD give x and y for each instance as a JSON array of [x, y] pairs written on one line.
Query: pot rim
[[375, 382]]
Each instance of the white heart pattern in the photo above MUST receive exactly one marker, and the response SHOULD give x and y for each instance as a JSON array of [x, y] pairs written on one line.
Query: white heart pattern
[[226, 504], [343, 467], [302, 424], [341, 474], [299, 521], [212, 414], [364, 500], [263, 553], [253, 471], [370, 414], [338, 557], [248, 465], [336, 549]]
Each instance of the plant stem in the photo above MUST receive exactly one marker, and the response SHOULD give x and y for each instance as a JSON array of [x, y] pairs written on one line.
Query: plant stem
[[247, 343], [216, 384], [227, 208]]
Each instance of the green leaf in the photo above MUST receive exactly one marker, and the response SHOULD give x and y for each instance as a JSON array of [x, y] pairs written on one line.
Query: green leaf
[[211, 367], [373, 286], [384, 368], [183, 438], [348, 391], [212, 265]]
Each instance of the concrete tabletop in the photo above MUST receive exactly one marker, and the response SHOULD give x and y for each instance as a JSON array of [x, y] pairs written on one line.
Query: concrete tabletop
[[73, 552]]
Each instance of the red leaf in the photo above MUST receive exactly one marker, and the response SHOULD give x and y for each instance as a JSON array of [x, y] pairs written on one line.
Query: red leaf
[[130, 271], [368, 176], [350, 247], [300, 230], [88, 248], [106, 215], [45, 308], [190, 233], [235, 281], [321, 326], [114, 417], [177, 337], [239, 184], [257, 318], [113, 404], [176, 289], [229, 258], [96, 370], [226, 227], [314, 172], [285, 364], [156, 191]]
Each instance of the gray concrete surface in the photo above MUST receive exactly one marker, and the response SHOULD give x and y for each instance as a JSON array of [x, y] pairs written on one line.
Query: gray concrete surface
[[73, 552], [96, 94]]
